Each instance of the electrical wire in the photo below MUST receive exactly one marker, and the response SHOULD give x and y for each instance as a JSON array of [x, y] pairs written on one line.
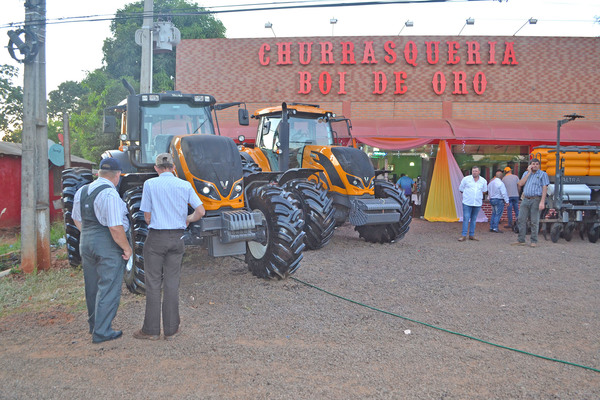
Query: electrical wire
[[443, 329], [207, 10]]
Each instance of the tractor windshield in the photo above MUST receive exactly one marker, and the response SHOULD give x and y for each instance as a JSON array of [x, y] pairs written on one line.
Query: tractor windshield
[[304, 130], [161, 122]]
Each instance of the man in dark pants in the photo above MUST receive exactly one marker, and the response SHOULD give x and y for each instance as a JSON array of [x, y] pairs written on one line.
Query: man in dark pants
[[101, 216], [165, 202], [535, 186]]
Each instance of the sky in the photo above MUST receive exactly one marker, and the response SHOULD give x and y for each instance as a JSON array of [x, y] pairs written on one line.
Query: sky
[[74, 48]]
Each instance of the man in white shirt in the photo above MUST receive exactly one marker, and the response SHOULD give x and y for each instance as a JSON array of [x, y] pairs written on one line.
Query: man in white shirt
[[472, 187], [498, 197]]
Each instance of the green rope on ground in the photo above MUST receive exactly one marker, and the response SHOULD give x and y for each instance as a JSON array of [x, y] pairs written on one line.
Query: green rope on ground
[[443, 329]]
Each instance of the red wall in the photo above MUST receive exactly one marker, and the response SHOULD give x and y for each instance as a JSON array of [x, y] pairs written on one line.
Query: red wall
[[546, 78], [10, 195]]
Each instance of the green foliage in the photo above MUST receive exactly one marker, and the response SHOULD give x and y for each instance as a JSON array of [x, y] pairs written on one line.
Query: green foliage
[[11, 105], [10, 245], [67, 98], [57, 231], [85, 101], [86, 127], [62, 287], [122, 55]]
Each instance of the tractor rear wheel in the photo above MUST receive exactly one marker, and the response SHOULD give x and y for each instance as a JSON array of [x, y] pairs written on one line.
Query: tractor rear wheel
[[138, 232], [280, 254], [388, 233], [72, 180], [316, 211]]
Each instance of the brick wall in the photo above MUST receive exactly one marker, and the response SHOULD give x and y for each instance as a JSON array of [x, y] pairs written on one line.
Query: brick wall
[[553, 76]]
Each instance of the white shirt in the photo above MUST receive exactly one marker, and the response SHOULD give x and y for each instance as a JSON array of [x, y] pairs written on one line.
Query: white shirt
[[472, 190], [167, 197], [110, 210], [497, 190]]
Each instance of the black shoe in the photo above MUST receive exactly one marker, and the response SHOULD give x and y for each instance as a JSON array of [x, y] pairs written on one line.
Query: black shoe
[[496, 231], [115, 335]]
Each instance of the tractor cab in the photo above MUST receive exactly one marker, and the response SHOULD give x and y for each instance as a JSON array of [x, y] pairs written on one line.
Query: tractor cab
[[308, 126]]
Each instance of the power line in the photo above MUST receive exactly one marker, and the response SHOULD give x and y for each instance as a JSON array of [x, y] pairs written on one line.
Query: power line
[[222, 9]]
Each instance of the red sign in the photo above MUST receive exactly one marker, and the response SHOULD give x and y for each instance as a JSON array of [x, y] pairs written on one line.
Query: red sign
[[433, 53]]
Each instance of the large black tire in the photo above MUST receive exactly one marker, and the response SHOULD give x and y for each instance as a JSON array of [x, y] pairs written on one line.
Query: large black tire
[[316, 211], [72, 180], [340, 213], [387, 233], [249, 167], [138, 232], [280, 256]]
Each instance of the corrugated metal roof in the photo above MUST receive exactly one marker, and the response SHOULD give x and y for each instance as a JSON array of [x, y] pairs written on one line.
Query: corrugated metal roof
[[14, 149]]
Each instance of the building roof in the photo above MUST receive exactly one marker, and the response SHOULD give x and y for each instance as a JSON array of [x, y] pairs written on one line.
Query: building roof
[[15, 149]]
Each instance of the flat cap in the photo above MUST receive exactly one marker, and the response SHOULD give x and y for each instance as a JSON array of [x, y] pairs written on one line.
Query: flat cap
[[164, 159], [110, 164]]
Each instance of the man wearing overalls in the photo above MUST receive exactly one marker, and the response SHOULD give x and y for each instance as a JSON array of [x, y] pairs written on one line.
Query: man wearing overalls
[[101, 216]]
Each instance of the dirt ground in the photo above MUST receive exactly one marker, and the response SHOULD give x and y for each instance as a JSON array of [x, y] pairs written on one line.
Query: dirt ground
[[245, 338]]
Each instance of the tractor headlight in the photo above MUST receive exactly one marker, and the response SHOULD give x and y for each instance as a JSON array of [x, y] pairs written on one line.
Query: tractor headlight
[[355, 181], [237, 191], [206, 189]]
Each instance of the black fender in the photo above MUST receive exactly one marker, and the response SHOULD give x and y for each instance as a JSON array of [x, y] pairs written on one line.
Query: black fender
[[296, 173]]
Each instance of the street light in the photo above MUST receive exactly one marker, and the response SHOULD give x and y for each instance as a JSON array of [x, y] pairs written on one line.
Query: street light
[[469, 21], [407, 24], [332, 21], [530, 21], [269, 25]]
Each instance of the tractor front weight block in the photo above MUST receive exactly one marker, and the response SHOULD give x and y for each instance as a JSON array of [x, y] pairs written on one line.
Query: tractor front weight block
[[374, 211]]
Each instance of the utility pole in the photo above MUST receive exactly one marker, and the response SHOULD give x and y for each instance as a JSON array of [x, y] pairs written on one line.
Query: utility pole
[[146, 42], [35, 206], [66, 140]]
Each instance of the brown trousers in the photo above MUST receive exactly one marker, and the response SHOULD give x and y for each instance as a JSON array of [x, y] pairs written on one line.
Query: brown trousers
[[163, 253]]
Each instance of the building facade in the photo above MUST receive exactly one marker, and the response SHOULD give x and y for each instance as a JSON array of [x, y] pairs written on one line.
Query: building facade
[[491, 98]]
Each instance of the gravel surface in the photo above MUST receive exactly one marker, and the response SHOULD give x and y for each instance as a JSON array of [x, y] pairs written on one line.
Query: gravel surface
[[245, 338]]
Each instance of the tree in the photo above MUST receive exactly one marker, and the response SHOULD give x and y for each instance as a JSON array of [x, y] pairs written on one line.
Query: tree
[[101, 91], [67, 98], [11, 105], [122, 55]]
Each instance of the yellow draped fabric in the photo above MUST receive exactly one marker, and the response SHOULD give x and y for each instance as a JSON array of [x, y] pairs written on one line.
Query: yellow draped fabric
[[440, 202]]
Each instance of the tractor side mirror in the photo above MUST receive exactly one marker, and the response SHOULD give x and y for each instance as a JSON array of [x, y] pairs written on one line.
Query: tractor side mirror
[[243, 118], [109, 124]]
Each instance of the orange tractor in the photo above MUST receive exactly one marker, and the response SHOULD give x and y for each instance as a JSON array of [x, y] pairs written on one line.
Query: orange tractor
[[244, 216], [306, 137]]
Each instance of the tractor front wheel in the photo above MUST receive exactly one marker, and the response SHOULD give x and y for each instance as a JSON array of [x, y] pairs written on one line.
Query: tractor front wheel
[[281, 252], [317, 211], [387, 233], [72, 180]]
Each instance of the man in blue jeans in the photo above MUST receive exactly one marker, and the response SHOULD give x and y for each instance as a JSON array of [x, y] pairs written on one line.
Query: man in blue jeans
[[472, 187], [498, 196], [535, 187], [512, 188]]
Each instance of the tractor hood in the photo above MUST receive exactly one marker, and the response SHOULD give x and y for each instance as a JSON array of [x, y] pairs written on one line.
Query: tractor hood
[[213, 159], [355, 162]]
